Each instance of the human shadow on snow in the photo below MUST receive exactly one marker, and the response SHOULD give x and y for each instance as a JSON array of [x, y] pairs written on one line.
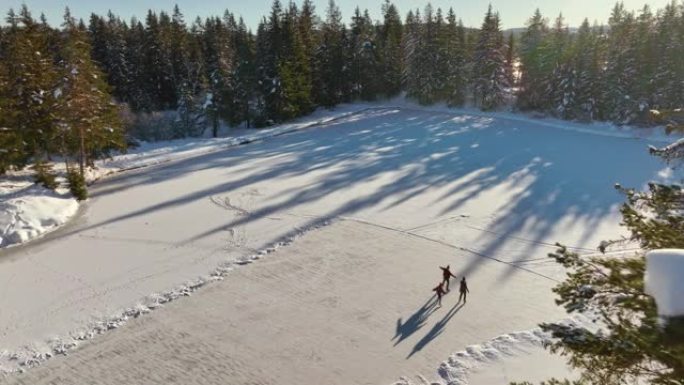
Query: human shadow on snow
[[436, 330], [414, 322]]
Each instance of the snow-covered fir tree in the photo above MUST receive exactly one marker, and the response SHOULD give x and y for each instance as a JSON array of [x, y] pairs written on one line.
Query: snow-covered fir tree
[[30, 89], [88, 120], [139, 89], [561, 80], [412, 39], [489, 71], [294, 68], [242, 86], [532, 83], [217, 51], [669, 93], [390, 47], [621, 67], [332, 69], [365, 60], [456, 67], [586, 71]]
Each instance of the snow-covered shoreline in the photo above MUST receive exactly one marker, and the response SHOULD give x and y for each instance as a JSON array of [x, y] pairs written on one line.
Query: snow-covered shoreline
[[29, 211]]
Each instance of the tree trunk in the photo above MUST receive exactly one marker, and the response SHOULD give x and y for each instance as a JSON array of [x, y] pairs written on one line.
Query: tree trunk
[[215, 124], [82, 156]]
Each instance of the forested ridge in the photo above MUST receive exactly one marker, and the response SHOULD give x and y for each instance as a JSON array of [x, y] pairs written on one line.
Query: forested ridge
[[63, 89]]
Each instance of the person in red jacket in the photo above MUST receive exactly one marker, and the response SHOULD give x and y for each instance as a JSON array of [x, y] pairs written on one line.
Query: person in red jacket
[[440, 292], [446, 274]]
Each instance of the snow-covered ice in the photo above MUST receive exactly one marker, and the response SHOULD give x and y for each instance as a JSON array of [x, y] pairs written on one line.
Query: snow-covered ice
[[28, 211], [665, 280], [491, 194]]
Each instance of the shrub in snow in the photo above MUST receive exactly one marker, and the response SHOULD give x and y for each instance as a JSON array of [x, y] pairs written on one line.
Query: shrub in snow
[[45, 175], [77, 185]]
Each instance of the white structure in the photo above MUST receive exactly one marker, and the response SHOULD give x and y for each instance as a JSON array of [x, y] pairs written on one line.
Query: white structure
[[665, 280]]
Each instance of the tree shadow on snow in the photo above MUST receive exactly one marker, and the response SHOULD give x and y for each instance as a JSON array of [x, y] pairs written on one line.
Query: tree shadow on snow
[[548, 174]]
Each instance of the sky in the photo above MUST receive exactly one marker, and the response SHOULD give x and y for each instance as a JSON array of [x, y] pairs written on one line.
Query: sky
[[514, 13]]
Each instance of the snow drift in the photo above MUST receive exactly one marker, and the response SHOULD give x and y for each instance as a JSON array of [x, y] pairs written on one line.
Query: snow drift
[[665, 280]]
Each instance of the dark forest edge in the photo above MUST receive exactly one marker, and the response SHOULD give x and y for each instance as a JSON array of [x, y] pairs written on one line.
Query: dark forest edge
[[78, 91]]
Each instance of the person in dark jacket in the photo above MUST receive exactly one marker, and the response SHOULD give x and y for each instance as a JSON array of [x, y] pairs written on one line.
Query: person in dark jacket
[[446, 274], [440, 292], [464, 290]]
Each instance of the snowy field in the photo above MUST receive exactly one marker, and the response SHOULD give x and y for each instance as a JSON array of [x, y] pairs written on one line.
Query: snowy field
[[28, 211], [366, 207]]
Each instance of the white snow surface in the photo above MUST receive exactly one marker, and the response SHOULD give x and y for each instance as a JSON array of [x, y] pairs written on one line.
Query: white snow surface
[[497, 189], [28, 211], [665, 280]]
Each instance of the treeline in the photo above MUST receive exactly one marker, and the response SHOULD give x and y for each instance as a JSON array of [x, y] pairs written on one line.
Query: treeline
[[60, 89], [54, 100], [617, 73]]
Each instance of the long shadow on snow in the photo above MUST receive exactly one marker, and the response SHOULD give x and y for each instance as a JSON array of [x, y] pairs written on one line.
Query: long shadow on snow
[[555, 174], [416, 321], [436, 330]]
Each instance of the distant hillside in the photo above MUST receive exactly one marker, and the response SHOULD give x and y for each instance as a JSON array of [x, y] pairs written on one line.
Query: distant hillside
[[519, 31]]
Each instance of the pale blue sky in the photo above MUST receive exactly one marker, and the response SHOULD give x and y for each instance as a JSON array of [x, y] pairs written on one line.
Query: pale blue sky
[[514, 13]]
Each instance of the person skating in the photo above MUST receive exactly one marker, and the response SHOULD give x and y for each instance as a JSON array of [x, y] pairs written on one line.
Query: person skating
[[446, 274], [464, 290], [440, 292]]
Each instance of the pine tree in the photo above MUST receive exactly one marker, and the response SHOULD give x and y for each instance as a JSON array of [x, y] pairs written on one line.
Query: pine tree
[[431, 74], [426, 61], [97, 30], [365, 61], [116, 66], [141, 93], [308, 24], [456, 71], [217, 51], [332, 80], [561, 80], [155, 73], [270, 53], [629, 346], [669, 51], [645, 43], [533, 71], [390, 47], [176, 42], [243, 79], [294, 69], [412, 40], [29, 95], [621, 69], [10, 138], [489, 75], [586, 66], [88, 119], [189, 115]]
